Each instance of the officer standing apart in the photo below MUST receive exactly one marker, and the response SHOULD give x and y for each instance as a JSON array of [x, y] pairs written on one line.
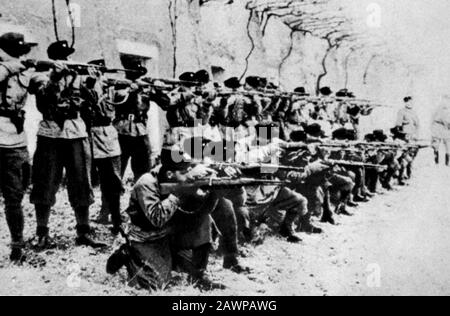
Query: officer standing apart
[[408, 120], [440, 129], [62, 144], [15, 83]]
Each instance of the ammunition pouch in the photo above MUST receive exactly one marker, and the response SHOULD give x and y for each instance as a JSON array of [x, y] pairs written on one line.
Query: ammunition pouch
[[17, 118], [140, 118]]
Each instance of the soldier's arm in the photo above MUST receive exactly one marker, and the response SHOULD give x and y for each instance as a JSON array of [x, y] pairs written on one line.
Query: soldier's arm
[[38, 82], [158, 211], [10, 68]]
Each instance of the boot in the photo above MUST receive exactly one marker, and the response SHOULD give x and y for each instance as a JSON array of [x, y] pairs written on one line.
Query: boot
[[200, 259], [44, 241], [360, 199], [287, 229], [288, 232], [17, 256], [230, 262], [447, 160], [307, 227], [203, 283], [86, 238], [328, 216], [436, 157]]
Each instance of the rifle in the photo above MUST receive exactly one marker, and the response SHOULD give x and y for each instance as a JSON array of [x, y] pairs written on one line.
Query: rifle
[[345, 163], [79, 68], [263, 167], [217, 184]]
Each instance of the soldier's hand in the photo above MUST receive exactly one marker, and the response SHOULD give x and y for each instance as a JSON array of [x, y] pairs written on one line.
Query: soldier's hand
[[201, 172], [14, 67], [232, 172], [29, 63], [60, 67]]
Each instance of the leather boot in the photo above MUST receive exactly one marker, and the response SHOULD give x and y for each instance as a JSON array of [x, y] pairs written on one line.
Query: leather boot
[[231, 262], [306, 226], [198, 276], [86, 238], [447, 160], [287, 228]]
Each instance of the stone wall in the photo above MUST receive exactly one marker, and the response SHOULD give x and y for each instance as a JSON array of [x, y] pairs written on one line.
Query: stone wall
[[215, 34]]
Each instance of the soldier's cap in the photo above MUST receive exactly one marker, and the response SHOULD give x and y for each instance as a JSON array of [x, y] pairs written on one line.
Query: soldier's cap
[[137, 71], [264, 83], [253, 81], [300, 90], [14, 44], [202, 76], [344, 134], [173, 159], [370, 138], [60, 50], [379, 135], [326, 91], [187, 76], [315, 130], [398, 133], [299, 136], [98, 62], [232, 83], [345, 93], [407, 99], [354, 110]]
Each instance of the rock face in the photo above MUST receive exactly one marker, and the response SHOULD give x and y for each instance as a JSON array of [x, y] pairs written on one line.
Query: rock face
[[223, 36]]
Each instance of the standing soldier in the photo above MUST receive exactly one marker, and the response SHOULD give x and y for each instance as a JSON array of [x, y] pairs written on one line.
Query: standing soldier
[[131, 123], [15, 83], [408, 121], [105, 146], [62, 144], [440, 129]]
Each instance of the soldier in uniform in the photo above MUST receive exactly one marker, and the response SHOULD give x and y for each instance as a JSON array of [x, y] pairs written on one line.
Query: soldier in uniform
[[408, 121], [62, 144], [168, 230], [440, 130], [15, 84], [131, 123], [99, 115]]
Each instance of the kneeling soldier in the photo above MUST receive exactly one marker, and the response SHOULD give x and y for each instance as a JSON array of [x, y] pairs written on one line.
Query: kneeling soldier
[[168, 230]]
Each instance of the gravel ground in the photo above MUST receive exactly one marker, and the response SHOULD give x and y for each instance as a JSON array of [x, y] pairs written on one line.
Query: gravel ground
[[395, 245]]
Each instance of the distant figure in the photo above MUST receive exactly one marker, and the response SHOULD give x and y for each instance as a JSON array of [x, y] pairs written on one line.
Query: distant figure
[[440, 129], [408, 121]]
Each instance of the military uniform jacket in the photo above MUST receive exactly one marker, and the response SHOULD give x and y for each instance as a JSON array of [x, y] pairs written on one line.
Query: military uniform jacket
[[60, 103], [149, 211], [14, 89], [99, 115], [409, 120], [441, 123]]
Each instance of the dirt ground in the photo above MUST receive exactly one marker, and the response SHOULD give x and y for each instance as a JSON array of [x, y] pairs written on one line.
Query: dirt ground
[[395, 245]]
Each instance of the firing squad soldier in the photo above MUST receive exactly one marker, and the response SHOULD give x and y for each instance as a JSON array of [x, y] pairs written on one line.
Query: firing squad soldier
[[98, 115], [189, 118], [132, 106], [16, 81], [168, 230], [62, 144]]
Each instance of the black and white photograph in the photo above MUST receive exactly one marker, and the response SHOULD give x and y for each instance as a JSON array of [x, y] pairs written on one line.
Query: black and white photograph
[[248, 150]]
